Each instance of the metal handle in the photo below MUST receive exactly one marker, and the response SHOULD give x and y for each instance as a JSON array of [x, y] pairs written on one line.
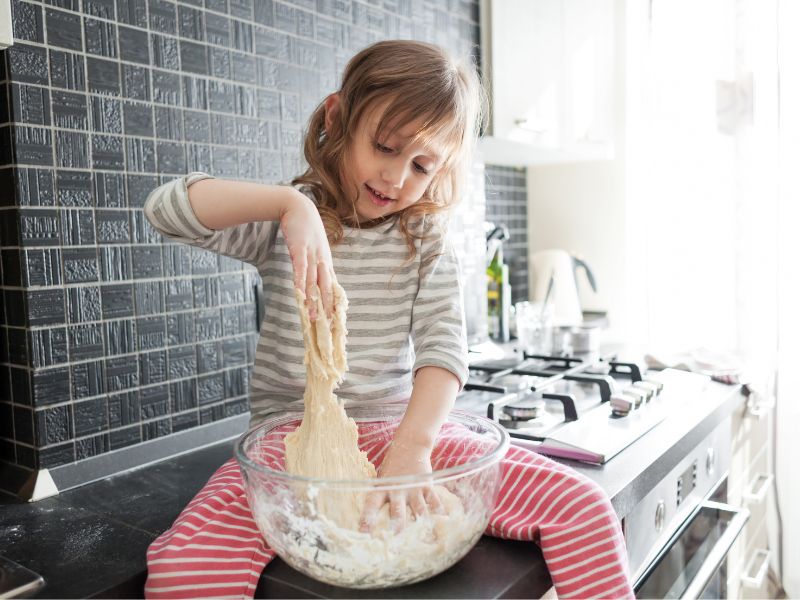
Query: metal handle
[[720, 549], [758, 488], [758, 568]]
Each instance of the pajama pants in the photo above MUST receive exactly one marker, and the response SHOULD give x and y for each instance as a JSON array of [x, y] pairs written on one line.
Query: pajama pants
[[214, 548]]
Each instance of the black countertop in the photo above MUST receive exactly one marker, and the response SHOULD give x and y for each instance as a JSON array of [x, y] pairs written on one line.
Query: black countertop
[[91, 541]]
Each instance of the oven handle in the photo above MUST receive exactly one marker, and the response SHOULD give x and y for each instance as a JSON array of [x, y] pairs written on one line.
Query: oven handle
[[720, 549]]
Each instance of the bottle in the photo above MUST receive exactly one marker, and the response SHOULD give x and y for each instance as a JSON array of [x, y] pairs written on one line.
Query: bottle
[[494, 281]]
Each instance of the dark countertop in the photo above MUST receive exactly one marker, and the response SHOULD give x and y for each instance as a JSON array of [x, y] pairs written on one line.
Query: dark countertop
[[91, 541]]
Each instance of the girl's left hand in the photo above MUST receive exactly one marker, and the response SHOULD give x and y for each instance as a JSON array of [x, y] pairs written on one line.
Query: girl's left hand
[[402, 458]]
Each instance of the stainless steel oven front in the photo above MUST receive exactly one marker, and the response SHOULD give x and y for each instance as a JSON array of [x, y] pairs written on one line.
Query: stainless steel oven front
[[679, 535]]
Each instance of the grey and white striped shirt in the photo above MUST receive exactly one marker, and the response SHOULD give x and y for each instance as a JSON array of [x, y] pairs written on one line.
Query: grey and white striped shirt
[[401, 316]]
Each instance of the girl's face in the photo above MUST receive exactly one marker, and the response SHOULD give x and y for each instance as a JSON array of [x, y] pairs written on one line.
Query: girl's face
[[390, 173]]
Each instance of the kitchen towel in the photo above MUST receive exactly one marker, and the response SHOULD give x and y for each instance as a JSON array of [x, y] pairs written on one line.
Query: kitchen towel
[[214, 548]]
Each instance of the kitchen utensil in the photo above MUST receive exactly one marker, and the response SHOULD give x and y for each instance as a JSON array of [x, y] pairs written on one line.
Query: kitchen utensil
[[466, 462], [533, 320], [560, 267]]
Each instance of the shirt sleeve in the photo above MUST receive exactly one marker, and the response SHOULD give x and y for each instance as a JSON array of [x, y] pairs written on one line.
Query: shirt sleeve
[[438, 330], [169, 211]]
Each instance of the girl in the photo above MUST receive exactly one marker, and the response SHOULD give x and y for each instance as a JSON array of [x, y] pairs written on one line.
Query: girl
[[387, 154]]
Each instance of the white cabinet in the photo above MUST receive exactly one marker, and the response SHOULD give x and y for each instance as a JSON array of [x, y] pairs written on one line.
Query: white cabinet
[[6, 33], [550, 67]]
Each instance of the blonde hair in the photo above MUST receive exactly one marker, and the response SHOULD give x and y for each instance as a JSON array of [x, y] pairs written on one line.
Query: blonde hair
[[421, 83]]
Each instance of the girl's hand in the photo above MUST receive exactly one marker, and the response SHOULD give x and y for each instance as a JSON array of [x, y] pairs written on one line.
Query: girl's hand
[[402, 459], [309, 251]]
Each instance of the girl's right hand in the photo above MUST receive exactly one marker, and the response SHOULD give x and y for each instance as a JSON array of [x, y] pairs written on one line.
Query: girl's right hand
[[309, 251]]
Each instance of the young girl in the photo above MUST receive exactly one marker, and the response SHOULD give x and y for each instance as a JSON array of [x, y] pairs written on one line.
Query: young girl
[[387, 154]]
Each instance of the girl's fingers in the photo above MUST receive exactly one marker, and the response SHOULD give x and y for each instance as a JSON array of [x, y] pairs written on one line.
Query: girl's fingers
[[433, 501], [300, 265], [416, 501], [397, 510], [369, 515], [312, 290], [326, 287]]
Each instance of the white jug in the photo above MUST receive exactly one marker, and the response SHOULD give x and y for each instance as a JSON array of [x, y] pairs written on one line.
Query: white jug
[[562, 267]]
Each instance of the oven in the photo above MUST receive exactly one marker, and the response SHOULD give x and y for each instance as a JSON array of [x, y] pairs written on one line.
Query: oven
[[680, 534]]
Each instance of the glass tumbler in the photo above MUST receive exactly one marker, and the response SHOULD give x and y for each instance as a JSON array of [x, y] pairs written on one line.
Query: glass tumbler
[[534, 327]]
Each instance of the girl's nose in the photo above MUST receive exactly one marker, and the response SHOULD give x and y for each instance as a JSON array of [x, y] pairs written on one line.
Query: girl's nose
[[394, 174]]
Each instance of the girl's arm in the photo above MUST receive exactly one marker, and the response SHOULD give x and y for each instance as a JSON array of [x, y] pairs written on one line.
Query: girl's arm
[[235, 218]]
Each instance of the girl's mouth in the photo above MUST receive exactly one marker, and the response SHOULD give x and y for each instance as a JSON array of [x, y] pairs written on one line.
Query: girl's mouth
[[378, 198]]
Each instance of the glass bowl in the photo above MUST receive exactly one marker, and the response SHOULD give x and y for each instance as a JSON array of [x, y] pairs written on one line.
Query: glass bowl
[[291, 513]]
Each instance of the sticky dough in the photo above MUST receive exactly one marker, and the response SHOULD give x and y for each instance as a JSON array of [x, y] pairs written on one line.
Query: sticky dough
[[325, 445]]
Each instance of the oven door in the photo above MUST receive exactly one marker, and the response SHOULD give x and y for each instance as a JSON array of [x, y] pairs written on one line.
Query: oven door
[[692, 563]]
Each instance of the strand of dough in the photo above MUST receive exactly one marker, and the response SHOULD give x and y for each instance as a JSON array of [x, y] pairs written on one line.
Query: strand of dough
[[325, 445]]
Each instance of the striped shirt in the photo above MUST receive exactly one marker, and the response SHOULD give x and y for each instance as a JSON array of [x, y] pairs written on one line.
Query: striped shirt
[[402, 315]]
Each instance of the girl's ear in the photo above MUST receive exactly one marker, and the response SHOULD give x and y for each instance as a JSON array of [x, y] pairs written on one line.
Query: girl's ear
[[331, 110]]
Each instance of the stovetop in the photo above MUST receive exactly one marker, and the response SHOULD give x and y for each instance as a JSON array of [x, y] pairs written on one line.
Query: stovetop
[[584, 407]]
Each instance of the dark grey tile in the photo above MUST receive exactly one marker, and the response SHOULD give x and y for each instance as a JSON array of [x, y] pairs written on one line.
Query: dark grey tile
[[183, 395], [198, 157], [152, 367], [72, 149], [269, 104], [123, 409], [285, 18], [32, 145], [45, 307], [190, 22], [242, 36], [180, 328], [207, 325], [21, 386], [70, 110], [163, 16], [85, 341], [264, 12], [204, 262], [120, 337], [244, 68], [63, 29], [67, 70], [185, 421], [107, 152], [80, 265], [50, 386], [23, 425], [196, 126], [27, 64], [30, 104], [236, 382], [139, 186], [91, 446], [154, 401], [218, 29], [100, 8], [106, 114], [193, 57], [148, 297], [233, 322], [87, 379], [13, 267], [42, 267], [234, 351], [225, 161], [102, 76], [195, 92], [156, 429], [219, 65], [128, 436], [47, 347], [115, 263], [140, 156], [138, 118], [34, 186], [55, 456], [181, 363], [101, 37], [133, 45], [136, 82], [27, 22], [171, 158], [83, 304], [113, 226], [243, 9], [132, 12], [146, 261], [77, 227], [117, 301], [205, 291], [209, 357], [53, 425], [169, 122], [151, 333], [164, 51], [122, 373], [74, 188], [217, 5], [17, 340]]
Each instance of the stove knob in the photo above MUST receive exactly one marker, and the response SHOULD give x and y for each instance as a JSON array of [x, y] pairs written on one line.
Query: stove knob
[[661, 515], [656, 384], [621, 404], [648, 388], [639, 396]]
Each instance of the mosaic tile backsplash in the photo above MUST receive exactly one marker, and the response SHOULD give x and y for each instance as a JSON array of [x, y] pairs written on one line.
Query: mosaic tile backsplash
[[110, 337]]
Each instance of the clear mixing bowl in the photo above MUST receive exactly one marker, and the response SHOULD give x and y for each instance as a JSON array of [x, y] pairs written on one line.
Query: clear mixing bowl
[[291, 515]]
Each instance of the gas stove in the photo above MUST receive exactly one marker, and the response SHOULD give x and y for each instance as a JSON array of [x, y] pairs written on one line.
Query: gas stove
[[583, 407]]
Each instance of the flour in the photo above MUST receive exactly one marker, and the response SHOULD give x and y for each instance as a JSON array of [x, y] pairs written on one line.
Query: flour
[[319, 527]]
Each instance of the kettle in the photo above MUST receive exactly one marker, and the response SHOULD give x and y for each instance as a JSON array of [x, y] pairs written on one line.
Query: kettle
[[560, 267]]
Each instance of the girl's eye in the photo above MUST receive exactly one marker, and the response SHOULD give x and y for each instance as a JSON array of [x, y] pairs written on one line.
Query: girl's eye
[[420, 168], [382, 148]]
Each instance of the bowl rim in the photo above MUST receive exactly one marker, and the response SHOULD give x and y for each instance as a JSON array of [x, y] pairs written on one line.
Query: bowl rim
[[379, 483]]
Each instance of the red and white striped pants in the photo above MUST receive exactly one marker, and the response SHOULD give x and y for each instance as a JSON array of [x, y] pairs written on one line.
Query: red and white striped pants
[[214, 548]]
